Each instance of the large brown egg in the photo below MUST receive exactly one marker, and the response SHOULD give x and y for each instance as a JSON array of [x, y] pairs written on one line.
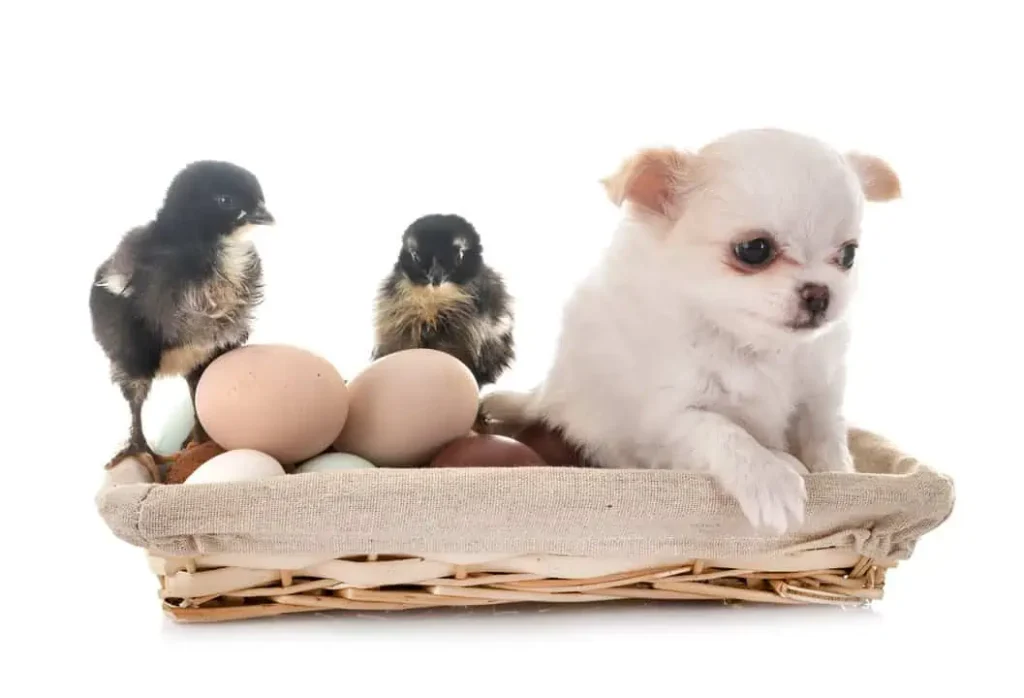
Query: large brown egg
[[283, 401], [405, 406], [551, 445], [485, 451]]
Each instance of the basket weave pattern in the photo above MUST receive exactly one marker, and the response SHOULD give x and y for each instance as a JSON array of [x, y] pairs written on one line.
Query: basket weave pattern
[[403, 539], [192, 593]]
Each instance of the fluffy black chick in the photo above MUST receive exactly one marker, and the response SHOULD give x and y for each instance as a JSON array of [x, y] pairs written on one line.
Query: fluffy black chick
[[180, 290], [441, 295]]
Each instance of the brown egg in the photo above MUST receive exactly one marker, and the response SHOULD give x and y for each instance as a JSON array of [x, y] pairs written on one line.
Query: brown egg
[[406, 406], [487, 451], [281, 400], [550, 445], [188, 460]]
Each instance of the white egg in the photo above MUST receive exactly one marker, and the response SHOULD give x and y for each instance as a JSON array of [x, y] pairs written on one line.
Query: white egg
[[236, 466], [329, 462]]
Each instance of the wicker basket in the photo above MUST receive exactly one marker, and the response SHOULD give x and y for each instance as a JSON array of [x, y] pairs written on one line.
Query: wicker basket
[[396, 539]]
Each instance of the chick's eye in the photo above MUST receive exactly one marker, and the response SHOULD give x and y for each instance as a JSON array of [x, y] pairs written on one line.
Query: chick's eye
[[755, 253], [846, 255], [415, 256], [225, 202]]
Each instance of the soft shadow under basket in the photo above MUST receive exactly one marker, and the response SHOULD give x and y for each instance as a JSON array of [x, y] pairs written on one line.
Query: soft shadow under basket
[[396, 539]]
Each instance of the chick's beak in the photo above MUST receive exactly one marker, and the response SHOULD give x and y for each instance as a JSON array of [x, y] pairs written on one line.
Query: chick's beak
[[259, 215], [436, 274]]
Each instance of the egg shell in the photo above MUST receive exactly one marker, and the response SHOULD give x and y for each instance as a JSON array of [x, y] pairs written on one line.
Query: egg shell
[[551, 445], [236, 466], [282, 400], [190, 459], [330, 462], [486, 450], [172, 416], [406, 406]]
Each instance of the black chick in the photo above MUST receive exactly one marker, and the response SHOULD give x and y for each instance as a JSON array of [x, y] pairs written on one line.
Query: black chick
[[440, 295], [180, 290]]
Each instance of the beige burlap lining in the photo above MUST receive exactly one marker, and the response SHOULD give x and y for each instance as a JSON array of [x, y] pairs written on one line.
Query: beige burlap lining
[[880, 512]]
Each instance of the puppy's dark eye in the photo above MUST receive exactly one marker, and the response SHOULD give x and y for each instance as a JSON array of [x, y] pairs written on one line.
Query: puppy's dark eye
[[225, 202], [846, 255], [755, 253]]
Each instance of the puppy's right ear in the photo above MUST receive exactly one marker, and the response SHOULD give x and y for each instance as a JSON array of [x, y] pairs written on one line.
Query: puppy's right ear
[[877, 179], [654, 178]]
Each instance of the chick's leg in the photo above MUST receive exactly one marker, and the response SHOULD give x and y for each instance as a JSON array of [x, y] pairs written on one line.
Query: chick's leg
[[135, 391]]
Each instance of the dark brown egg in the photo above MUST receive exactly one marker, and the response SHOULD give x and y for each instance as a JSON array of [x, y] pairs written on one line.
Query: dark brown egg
[[485, 451], [550, 445]]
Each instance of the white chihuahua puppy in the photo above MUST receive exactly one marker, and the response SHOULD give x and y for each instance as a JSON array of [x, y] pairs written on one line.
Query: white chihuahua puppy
[[711, 334]]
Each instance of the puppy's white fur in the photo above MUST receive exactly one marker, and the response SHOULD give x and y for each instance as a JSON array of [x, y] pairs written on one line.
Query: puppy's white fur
[[672, 357]]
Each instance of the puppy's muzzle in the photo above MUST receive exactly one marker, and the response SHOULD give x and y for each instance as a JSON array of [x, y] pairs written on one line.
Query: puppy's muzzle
[[814, 301], [815, 298]]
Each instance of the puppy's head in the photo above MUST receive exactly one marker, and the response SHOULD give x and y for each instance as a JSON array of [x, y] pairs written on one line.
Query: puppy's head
[[759, 229]]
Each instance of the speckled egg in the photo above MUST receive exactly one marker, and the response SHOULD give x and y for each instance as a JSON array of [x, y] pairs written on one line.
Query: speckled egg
[[284, 401], [236, 466], [406, 406], [329, 462]]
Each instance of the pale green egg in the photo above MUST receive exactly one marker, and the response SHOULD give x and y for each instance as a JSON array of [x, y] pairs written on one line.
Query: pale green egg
[[329, 462], [167, 417]]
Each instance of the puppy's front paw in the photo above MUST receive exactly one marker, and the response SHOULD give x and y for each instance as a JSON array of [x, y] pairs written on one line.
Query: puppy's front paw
[[829, 457], [793, 462], [770, 490]]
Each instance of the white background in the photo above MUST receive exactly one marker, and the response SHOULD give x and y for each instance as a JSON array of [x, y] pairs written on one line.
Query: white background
[[359, 120]]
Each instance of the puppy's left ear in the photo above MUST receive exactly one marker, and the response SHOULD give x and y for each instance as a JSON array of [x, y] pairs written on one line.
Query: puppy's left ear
[[878, 181], [655, 179]]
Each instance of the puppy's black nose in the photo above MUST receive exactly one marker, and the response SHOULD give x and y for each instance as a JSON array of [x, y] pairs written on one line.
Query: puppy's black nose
[[815, 297]]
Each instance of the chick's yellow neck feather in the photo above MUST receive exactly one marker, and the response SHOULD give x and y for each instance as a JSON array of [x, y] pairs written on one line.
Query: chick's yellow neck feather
[[413, 307]]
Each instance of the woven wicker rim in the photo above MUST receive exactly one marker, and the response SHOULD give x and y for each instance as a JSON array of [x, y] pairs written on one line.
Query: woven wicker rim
[[204, 576], [235, 587]]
